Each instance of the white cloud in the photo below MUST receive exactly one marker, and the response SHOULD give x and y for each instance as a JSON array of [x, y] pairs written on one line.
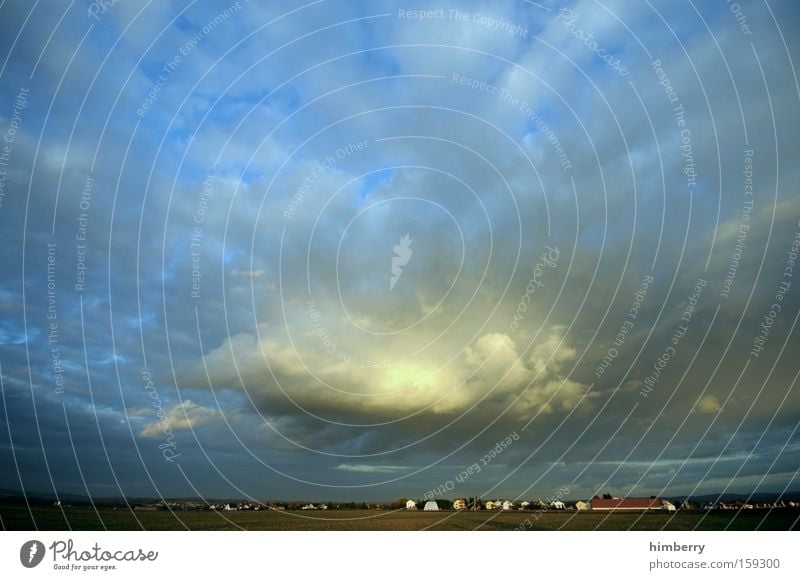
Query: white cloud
[[361, 468], [185, 415], [709, 404]]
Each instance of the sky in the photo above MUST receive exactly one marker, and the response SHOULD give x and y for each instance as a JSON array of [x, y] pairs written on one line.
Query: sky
[[355, 251]]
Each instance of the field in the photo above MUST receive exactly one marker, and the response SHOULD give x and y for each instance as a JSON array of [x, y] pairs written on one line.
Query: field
[[18, 517]]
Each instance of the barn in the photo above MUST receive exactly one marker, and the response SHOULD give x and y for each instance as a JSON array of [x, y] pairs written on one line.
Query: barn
[[411, 505], [431, 506]]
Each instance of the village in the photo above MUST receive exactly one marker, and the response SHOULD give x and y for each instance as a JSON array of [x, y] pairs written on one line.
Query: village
[[606, 503]]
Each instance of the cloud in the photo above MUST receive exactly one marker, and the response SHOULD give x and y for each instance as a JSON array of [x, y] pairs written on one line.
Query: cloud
[[259, 273], [491, 374], [294, 349], [708, 404], [358, 468], [185, 415]]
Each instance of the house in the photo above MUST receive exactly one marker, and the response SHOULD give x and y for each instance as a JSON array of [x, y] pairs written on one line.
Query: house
[[524, 505], [582, 506], [626, 504], [431, 506], [310, 506], [228, 508], [508, 505], [490, 505], [667, 506], [411, 505], [557, 505], [459, 504]]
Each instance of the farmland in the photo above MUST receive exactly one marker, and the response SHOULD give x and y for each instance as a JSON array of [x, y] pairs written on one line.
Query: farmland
[[19, 517]]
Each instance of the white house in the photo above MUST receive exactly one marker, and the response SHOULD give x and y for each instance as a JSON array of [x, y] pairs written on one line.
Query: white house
[[582, 506], [508, 505], [411, 505], [490, 505], [431, 506], [557, 505], [667, 506], [459, 504], [310, 506], [524, 505]]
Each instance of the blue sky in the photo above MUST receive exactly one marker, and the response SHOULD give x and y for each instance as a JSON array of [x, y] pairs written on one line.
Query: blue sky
[[252, 167]]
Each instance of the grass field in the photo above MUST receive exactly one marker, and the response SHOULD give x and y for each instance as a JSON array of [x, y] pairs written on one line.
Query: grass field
[[18, 517]]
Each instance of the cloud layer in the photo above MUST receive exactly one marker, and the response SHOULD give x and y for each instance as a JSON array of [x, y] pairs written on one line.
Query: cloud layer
[[343, 250]]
